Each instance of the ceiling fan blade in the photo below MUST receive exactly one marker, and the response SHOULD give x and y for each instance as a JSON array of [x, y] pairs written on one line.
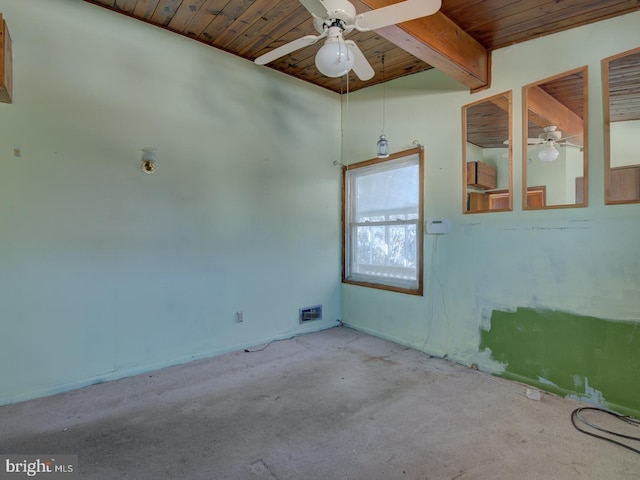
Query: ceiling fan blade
[[396, 13], [568, 144], [287, 48], [315, 7], [579, 140], [530, 141], [361, 66]]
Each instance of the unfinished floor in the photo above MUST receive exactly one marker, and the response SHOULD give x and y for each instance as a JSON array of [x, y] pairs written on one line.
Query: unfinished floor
[[336, 404]]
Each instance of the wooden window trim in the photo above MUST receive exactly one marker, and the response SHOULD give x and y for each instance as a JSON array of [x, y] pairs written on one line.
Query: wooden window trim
[[419, 230]]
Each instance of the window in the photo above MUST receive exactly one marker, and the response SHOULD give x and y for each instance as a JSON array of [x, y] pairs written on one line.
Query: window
[[382, 220]]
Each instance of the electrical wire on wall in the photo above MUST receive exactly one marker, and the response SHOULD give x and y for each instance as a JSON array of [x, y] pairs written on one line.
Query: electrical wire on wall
[[578, 421], [433, 279], [344, 163], [430, 296]]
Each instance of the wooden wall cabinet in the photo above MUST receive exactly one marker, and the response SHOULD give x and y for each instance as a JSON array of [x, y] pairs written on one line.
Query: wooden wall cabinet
[[481, 175], [6, 87], [499, 199]]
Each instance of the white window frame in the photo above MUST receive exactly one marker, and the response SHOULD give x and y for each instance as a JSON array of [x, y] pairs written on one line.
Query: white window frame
[[384, 280]]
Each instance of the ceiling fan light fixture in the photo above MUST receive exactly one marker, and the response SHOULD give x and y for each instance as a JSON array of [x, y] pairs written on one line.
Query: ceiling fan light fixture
[[335, 58], [551, 133], [335, 18], [549, 153]]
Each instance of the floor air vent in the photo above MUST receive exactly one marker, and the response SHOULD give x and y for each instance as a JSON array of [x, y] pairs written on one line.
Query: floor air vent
[[309, 314]]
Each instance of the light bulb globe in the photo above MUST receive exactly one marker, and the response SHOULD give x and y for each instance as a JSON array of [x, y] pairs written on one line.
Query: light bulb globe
[[334, 59], [549, 153]]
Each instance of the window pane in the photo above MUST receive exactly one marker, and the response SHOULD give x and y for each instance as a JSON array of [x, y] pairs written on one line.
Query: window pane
[[403, 246], [381, 194], [388, 251]]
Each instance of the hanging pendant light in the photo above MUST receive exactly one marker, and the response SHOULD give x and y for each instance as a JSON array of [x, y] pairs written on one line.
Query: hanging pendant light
[[382, 146]]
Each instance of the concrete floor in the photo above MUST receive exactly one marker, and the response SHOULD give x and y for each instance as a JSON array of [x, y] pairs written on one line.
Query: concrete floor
[[331, 405]]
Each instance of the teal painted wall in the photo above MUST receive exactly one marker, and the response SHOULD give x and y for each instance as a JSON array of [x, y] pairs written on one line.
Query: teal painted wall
[[569, 354], [106, 271], [579, 261]]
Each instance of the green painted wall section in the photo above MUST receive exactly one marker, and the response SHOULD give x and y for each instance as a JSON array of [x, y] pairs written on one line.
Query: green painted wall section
[[591, 358]]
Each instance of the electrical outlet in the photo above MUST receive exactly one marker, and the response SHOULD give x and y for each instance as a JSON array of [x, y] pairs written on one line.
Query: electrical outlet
[[239, 317]]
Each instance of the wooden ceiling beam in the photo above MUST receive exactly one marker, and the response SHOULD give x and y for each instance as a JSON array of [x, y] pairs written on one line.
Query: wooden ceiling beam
[[545, 110], [438, 41], [502, 102]]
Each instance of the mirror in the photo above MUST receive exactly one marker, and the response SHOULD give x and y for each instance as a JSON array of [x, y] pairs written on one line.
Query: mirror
[[620, 79], [486, 155], [554, 166]]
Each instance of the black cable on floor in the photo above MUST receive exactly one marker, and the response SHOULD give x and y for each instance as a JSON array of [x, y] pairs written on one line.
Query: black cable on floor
[[264, 347], [630, 420]]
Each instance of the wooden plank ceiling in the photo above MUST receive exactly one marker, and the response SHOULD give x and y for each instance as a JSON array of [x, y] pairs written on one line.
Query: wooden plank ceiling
[[624, 88], [457, 40], [488, 124]]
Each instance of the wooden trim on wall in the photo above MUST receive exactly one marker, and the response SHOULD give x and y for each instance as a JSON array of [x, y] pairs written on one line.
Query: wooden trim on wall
[[610, 173], [419, 230]]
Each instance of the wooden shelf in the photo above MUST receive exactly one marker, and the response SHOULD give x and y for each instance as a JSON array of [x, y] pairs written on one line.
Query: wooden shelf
[[6, 90]]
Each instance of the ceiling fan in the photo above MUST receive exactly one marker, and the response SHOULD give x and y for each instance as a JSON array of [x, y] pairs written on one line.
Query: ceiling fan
[[335, 18], [549, 139]]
